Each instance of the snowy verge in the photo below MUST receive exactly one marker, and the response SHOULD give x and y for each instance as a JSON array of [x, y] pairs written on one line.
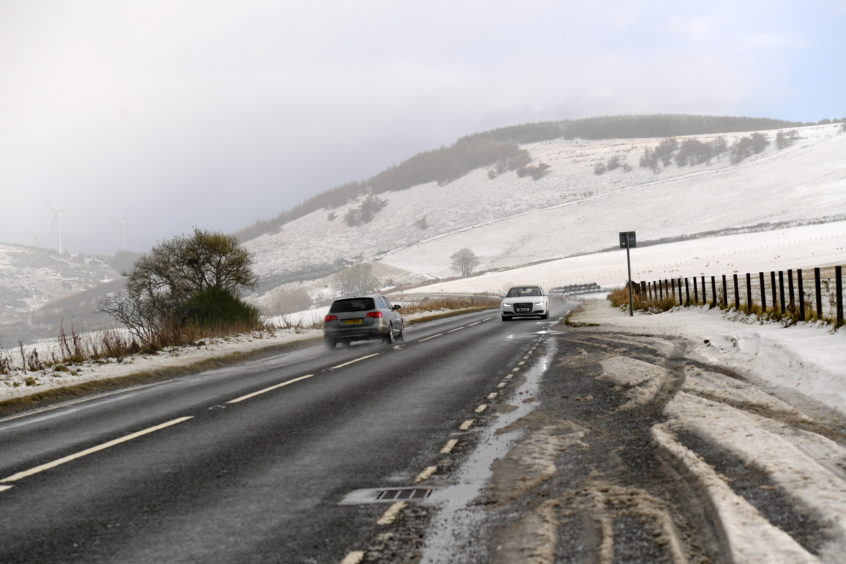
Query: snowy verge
[[806, 358]]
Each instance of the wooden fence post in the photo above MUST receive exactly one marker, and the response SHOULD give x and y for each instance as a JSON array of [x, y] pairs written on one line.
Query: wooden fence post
[[713, 291], [763, 292], [781, 290], [775, 291], [736, 293], [695, 291], [838, 285], [749, 292], [792, 302], [687, 292], [725, 293], [681, 296], [801, 294], [818, 289]]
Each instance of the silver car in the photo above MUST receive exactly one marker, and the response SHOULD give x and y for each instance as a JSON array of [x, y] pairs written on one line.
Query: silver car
[[362, 318], [525, 301]]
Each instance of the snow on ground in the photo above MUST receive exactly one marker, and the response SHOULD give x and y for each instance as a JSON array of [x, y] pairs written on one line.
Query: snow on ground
[[807, 358], [796, 247]]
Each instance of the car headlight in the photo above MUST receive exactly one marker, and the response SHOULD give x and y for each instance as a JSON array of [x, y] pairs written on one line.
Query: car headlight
[[539, 302], [506, 306]]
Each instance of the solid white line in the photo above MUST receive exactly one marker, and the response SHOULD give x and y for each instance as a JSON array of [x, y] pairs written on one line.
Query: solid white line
[[425, 474], [449, 446], [353, 557], [4, 488], [359, 359], [456, 329], [92, 450], [390, 515], [270, 389], [481, 408], [432, 337], [467, 424]]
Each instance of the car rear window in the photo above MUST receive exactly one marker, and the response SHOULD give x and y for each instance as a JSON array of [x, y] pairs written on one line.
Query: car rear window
[[352, 304]]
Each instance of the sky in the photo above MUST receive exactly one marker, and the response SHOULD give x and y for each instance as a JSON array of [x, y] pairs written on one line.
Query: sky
[[161, 116]]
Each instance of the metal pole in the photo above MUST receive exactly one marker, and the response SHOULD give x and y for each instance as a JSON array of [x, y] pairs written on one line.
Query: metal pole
[[629, 288]]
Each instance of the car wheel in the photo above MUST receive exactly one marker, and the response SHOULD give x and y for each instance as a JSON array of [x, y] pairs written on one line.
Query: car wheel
[[330, 343], [506, 318], [545, 316], [389, 336], [401, 336]]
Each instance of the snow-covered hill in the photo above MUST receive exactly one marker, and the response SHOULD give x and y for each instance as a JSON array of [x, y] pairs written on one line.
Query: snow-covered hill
[[510, 220]]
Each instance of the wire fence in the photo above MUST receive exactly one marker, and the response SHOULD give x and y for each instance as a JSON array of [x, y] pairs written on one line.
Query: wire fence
[[811, 294]]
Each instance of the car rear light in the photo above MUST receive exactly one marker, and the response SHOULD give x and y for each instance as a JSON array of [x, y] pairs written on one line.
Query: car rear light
[[330, 318], [374, 314]]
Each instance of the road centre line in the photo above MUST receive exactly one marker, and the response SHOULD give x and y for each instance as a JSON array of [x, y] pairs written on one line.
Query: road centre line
[[466, 425], [481, 408], [474, 324], [431, 337], [515, 369], [359, 359], [425, 474], [449, 446], [492, 395], [92, 450], [390, 515], [456, 329], [4, 488], [502, 384], [270, 389], [487, 318], [522, 362], [353, 557]]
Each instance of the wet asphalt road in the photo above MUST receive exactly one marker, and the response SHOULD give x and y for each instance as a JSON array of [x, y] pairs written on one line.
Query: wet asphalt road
[[187, 475]]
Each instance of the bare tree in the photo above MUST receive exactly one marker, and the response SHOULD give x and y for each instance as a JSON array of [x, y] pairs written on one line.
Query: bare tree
[[356, 280], [464, 261]]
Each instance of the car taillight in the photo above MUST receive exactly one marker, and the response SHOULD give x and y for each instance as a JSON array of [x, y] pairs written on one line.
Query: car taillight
[[374, 314], [330, 318]]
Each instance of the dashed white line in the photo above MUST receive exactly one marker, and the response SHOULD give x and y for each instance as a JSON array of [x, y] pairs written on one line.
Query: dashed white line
[[522, 362], [4, 488], [359, 359], [354, 557], [516, 369], [270, 389], [431, 337], [502, 384], [390, 515], [92, 450], [449, 446], [492, 395], [487, 318], [456, 329], [481, 408], [425, 474], [474, 324], [509, 376], [467, 424]]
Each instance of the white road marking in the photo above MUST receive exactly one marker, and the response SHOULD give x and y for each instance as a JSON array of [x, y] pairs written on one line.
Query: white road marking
[[432, 337], [473, 324], [353, 557], [4, 488], [509, 376], [399, 347], [359, 359], [425, 474], [270, 389], [522, 362], [515, 369], [502, 384], [449, 446], [487, 318], [467, 424], [492, 395], [92, 450], [456, 329], [481, 408], [390, 515]]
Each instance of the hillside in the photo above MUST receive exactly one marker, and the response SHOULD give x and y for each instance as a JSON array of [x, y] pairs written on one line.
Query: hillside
[[509, 219]]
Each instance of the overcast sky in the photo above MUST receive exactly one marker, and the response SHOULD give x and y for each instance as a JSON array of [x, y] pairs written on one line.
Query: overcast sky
[[173, 114]]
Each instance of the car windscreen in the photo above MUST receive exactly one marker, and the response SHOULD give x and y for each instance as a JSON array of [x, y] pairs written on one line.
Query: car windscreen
[[352, 304], [523, 292]]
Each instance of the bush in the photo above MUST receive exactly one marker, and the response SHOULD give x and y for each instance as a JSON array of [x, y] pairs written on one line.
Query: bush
[[216, 308]]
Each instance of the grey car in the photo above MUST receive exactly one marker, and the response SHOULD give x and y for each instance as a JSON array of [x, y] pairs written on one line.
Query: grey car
[[362, 318]]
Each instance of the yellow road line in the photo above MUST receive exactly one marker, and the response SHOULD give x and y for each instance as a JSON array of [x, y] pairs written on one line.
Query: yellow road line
[[353, 557], [270, 389], [92, 450], [359, 359], [432, 337], [390, 515], [467, 424], [449, 446], [425, 474], [481, 408]]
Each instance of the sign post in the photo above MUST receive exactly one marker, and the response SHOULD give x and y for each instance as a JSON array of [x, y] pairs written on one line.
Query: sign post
[[629, 241]]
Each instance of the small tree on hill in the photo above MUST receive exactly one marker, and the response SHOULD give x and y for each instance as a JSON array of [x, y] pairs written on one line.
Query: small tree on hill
[[464, 261], [356, 280]]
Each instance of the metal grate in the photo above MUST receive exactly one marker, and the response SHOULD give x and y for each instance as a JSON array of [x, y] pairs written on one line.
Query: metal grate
[[403, 493]]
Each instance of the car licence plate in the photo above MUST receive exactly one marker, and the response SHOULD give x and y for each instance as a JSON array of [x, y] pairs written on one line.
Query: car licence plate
[[522, 309], [351, 321]]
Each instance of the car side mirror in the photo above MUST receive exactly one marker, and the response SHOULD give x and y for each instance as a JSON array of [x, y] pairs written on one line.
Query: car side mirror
[[397, 306]]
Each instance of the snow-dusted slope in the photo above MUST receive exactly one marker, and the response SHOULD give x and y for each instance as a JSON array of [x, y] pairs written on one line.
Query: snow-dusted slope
[[509, 221]]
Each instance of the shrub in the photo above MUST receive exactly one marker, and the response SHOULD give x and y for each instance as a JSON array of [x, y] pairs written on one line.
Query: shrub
[[216, 308]]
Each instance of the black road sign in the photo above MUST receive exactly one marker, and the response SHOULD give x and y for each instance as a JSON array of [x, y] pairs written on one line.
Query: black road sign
[[627, 240]]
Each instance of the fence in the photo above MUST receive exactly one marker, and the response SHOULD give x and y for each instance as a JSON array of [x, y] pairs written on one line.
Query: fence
[[801, 294]]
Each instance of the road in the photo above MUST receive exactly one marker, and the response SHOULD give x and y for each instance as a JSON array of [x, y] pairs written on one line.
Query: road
[[250, 463]]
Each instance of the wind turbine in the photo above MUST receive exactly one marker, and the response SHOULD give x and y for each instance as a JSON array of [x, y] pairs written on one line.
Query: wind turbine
[[36, 237], [57, 222], [121, 222]]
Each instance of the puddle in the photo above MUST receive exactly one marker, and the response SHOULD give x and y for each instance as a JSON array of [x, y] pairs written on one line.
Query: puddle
[[457, 519]]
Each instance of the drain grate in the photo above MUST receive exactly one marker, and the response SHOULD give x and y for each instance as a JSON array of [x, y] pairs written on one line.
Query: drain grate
[[403, 493]]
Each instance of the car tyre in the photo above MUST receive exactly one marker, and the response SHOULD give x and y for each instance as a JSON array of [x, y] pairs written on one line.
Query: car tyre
[[389, 336], [401, 336]]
